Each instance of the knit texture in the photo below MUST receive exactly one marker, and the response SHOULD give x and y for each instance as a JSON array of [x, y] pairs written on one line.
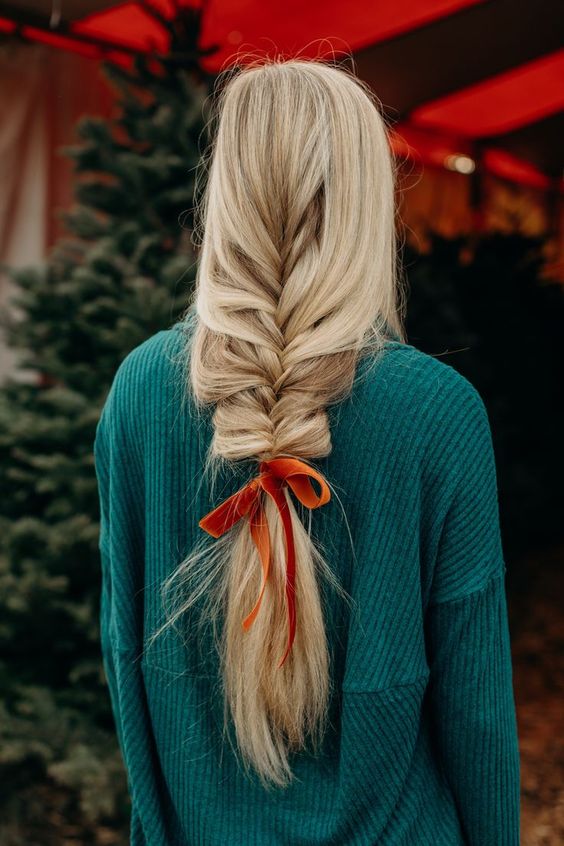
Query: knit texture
[[422, 748]]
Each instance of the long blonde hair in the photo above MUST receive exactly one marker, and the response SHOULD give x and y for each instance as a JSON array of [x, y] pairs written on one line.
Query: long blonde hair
[[297, 278]]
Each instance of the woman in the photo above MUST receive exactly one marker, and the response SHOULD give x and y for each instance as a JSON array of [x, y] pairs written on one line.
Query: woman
[[304, 622]]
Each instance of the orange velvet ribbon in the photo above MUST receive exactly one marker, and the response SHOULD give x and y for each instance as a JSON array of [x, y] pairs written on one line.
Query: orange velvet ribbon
[[273, 475]]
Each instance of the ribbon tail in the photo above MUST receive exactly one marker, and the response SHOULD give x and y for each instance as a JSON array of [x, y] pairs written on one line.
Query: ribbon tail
[[280, 500], [261, 538]]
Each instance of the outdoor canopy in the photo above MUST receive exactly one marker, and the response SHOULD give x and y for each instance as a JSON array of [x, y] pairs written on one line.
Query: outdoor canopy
[[455, 76]]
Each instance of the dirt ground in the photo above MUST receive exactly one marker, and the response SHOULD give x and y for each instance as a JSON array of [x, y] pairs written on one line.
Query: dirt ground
[[536, 618]]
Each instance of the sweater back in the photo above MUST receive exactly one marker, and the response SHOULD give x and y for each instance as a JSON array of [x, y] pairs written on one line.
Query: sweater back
[[422, 746]]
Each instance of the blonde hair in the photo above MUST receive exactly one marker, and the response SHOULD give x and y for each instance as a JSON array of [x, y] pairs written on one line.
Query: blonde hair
[[297, 278]]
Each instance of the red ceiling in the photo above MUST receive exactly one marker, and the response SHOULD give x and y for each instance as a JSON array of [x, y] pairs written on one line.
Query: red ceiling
[[502, 103], [128, 25], [319, 28], [284, 25]]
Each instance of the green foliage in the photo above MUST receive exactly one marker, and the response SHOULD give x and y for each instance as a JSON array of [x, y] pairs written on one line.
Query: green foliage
[[56, 771], [124, 271]]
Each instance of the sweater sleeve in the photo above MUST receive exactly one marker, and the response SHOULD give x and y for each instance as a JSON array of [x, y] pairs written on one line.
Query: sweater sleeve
[[119, 464], [467, 631], [102, 464]]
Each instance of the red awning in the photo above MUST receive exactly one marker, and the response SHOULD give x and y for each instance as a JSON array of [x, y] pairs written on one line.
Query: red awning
[[284, 26], [502, 103], [466, 69]]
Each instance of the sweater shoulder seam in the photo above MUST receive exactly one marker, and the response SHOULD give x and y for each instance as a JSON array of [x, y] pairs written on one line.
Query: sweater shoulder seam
[[423, 677], [492, 581]]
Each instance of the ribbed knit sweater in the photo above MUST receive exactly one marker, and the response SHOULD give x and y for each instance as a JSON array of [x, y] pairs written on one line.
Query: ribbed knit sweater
[[422, 748]]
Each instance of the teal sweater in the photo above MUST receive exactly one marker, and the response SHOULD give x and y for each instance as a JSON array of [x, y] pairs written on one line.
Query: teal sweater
[[422, 749]]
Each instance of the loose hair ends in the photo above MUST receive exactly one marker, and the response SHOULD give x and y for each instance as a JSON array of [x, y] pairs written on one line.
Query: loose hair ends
[[297, 279]]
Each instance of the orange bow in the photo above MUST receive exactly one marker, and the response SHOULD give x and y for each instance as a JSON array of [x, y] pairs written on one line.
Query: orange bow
[[247, 501]]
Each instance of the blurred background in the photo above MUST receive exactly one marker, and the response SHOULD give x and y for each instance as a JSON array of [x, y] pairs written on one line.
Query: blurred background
[[104, 106]]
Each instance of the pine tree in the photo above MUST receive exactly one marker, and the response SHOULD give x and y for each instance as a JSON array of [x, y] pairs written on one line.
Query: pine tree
[[124, 272]]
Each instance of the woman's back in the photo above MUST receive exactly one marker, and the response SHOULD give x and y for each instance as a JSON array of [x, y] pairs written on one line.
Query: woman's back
[[421, 746]]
